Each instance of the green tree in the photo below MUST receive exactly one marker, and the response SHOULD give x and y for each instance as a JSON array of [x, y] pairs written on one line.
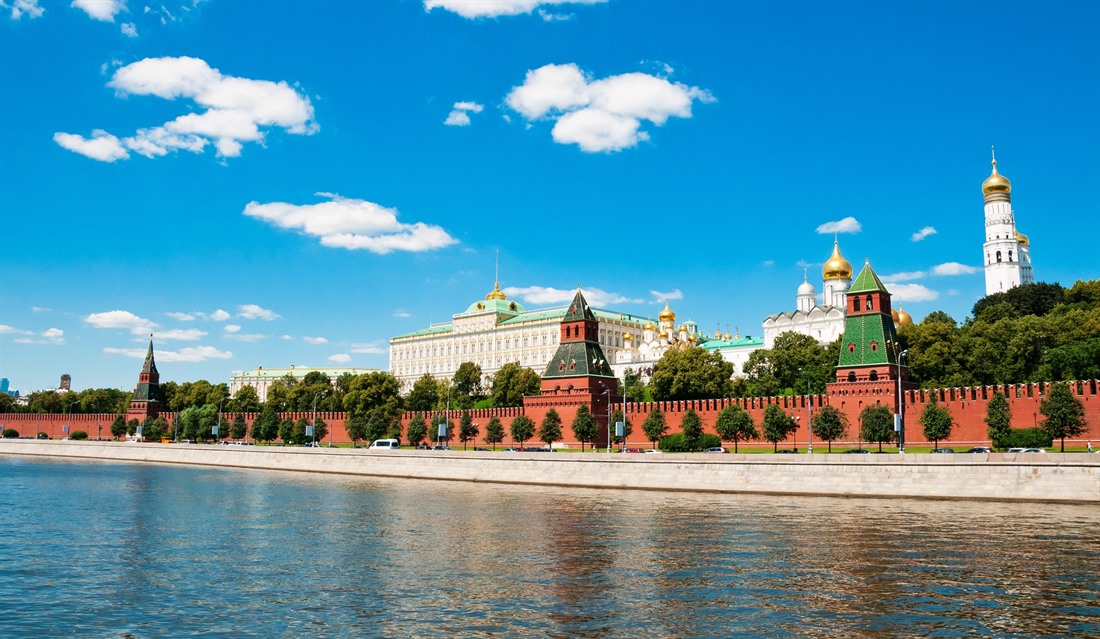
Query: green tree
[[247, 400], [936, 421], [356, 427], [694, 373], [692, 427], [584, 425], [396, 429], [550, 430], [467, 429], [635, 387], [118, 427], [494, 432], [377, 426], [829, 424], [1064, 414], [876, 424], [378, 390], [654, 426], [522, 429], [286, 431], [239, 428], [131, 426], [998, 419], [155, 429], [466, 385], [628, 427], [417, 430], [777, 425], [1036, 299], [449, 429], [299, 432], [735, 424], [512, 383], [265, 427], [424, 395], [195, 422]]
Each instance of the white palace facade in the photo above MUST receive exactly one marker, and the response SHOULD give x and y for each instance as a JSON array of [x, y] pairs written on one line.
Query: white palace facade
[[494, 332]]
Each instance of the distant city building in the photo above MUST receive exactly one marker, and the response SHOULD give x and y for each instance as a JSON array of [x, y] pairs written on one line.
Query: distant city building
[[6, 389], [1007, 250], [641, 353], [262, 378], [496, 331], [66, 382]]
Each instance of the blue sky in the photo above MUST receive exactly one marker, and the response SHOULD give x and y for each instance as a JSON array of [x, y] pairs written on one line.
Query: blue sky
[[284, 183]]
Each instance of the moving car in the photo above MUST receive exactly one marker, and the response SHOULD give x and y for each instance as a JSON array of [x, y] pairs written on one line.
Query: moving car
[[858, 451], [385, 444], [942, 450], [715, 449], [980, 449]]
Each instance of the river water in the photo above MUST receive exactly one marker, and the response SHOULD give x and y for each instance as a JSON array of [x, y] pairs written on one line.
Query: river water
[[91, 549]]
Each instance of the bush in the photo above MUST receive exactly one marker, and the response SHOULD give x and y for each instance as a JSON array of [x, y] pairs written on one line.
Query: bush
[[10, 433], [1025, 438], [78, 435], [676, 443], [43, 436]]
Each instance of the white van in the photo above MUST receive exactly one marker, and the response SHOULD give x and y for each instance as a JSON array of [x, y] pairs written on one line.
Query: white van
[[385, 444]]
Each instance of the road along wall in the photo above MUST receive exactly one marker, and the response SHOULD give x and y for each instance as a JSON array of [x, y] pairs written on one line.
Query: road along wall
[[1053, 477]]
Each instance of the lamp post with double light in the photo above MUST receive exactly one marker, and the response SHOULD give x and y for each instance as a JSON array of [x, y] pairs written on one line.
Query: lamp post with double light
[[899, 417]]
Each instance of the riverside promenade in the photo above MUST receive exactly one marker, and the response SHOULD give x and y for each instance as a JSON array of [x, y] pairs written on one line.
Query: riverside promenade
[[1041, 477]]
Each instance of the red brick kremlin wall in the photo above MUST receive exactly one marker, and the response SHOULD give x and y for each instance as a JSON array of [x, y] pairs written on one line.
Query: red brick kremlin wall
[[967, 406]]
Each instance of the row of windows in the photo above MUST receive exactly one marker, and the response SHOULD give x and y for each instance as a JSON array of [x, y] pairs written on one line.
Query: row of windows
[[999, 257], [549, 338]]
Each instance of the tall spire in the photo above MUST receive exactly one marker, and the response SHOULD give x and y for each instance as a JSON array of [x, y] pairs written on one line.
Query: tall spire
[[150, 365]]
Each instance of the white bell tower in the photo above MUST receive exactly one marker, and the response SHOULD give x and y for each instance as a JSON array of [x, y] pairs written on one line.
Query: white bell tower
[[1007, 251]]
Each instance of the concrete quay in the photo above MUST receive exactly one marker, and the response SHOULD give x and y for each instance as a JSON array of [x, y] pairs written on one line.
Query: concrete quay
[[1042, 477]]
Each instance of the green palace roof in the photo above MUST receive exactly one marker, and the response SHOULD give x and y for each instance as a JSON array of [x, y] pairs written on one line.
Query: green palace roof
[[540, 315], [741, 342]]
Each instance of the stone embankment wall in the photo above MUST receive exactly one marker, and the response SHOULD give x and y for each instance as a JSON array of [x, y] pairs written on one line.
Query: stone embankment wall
[[1071, 477]]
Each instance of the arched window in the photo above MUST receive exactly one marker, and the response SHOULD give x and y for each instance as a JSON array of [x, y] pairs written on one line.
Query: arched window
[[851, 376], [874, 376], [998, 257], [874, 346], [851, 347], [855, 303], [870, 302], [1009, 255]]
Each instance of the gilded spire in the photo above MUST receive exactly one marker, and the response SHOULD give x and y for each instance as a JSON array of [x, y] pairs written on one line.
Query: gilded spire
[[837, 268], [996, 186]]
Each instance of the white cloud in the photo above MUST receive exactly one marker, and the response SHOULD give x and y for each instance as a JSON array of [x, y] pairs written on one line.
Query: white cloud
[[401, 313], [4, 328], [372, 348], [232, 328], [237, 110], [315, 340], [252, 311], [954, 268], [40, 309], [601, 115], [101, 146], [912, 293], [183, 317], [847, 225], [660, 298], [460, 115], [494, 8], [550, 296], [186, 334], [129, 29], [102, 10], [923, 233], [219, 315], [339, 358], [54, 336], [554, 17], [19, 7], [121, 319], [48, 336], [904, 276], [769, 262], [352, 224], [245, 337], [286, 338], [191, 354]]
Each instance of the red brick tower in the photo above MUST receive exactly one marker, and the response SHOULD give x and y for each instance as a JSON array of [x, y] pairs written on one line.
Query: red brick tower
[[146, 402]]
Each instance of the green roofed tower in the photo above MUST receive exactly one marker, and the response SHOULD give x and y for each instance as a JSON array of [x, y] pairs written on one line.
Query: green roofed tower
[[146, 402], [867, 350]]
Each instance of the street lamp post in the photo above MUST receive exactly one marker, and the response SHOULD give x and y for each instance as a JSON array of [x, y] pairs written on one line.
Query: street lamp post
[[217, 436], [607, 391], [809, 418]]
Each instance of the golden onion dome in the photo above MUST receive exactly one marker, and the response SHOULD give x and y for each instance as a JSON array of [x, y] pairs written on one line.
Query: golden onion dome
[[628, 338], [897, 318], [496, 293], [692, 338], [718, 334], [996, 183], [1022, 239], [683, 328], [667, 315], [837, 268], [904, 319], [728, 336], [649, 326]]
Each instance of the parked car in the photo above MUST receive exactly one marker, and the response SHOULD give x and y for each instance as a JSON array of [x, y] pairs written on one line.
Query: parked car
[[385, 444], [786, 451], [858, 451], [715, 449], [942, 450], [650, 451], [631, 450], [980, 449], [1035, 450], [437, 448]]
